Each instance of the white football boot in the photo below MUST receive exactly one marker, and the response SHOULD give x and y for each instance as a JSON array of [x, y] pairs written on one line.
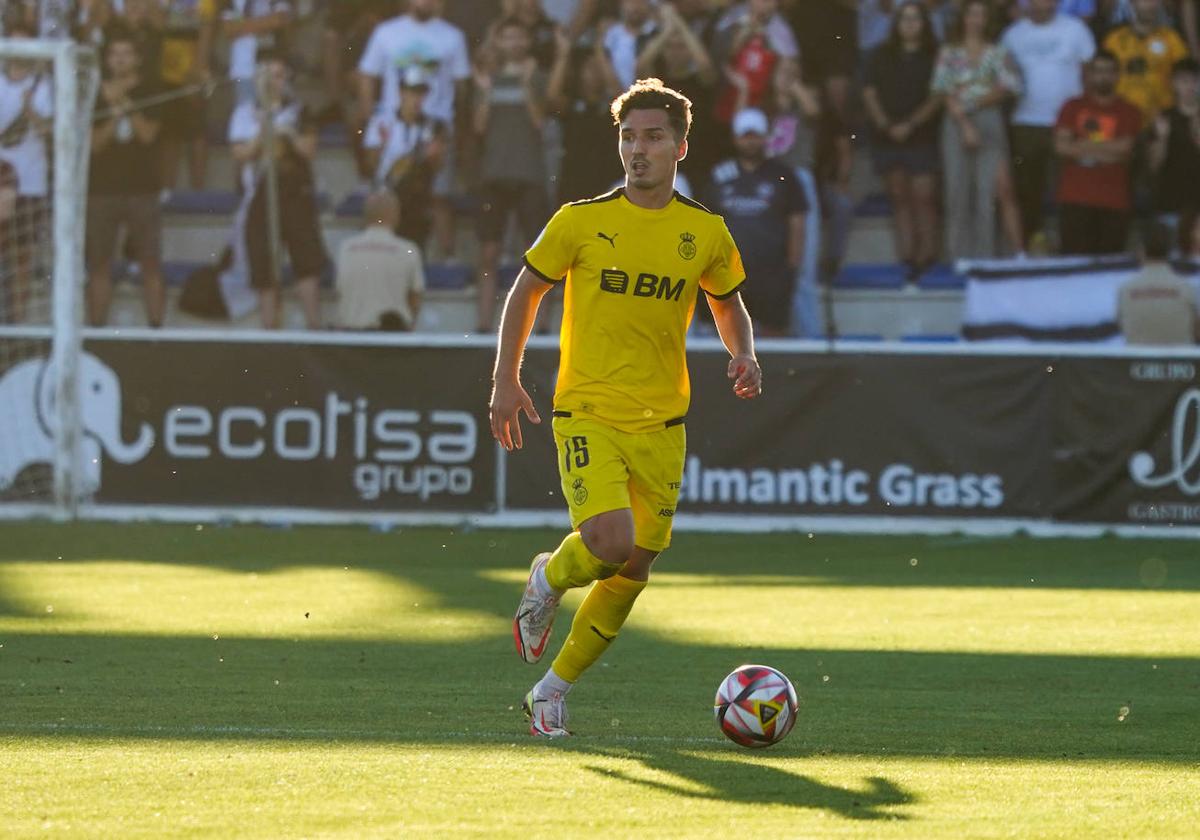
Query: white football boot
[[535, 615], [547, 717]]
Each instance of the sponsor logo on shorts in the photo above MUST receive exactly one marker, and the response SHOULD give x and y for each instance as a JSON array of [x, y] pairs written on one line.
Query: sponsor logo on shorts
[[667, 512], [579, 493]]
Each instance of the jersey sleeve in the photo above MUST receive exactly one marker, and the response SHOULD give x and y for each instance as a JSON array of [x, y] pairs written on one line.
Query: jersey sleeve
[[724, 274], [554, 251]]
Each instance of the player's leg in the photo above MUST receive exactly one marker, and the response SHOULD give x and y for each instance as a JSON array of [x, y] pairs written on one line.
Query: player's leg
[[656, 469], [594, 482]]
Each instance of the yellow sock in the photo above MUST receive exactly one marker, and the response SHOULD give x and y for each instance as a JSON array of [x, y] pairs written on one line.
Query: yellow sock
[[596, 624], [572, 565]]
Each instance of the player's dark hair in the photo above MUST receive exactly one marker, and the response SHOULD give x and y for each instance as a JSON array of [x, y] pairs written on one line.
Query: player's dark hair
[[653, 95], [1157, 241], [1185, 67]]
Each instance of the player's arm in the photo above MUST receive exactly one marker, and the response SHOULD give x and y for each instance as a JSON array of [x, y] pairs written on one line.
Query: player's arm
[[509, 398], [737, 334]]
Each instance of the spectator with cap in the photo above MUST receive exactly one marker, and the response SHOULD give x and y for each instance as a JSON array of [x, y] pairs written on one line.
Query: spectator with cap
[[1157, 306], [764, 206], [380, 278], [404, 149], [421, 37]]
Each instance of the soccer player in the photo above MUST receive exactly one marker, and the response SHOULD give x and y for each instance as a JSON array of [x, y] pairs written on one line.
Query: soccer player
[[634, 261]]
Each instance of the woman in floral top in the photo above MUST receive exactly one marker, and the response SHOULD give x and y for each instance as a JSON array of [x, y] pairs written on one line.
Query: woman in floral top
[[974, 76]]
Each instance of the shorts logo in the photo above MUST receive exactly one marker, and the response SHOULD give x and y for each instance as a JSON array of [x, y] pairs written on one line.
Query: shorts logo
[[579, 493], [687, 245], [667, 512]]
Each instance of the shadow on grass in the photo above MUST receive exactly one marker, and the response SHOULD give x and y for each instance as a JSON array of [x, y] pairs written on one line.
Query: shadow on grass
[[754, 783], [407, 691]]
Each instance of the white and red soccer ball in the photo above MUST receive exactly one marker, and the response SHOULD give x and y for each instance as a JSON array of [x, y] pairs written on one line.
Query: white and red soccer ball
[[756, 706]]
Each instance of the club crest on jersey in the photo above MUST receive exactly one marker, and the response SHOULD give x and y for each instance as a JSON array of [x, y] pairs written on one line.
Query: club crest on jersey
[[687, 245], [578, 492]]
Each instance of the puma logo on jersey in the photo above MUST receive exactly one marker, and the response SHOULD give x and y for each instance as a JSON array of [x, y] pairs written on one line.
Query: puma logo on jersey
[[611, 240]]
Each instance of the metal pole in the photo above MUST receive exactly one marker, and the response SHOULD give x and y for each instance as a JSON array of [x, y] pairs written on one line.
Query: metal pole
[[67, 289], [270, 175]]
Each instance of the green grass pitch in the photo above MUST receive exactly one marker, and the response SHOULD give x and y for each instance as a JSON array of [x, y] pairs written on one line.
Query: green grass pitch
[[164, 681]]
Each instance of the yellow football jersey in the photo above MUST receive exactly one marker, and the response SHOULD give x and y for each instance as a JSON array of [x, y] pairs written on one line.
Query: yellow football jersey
[[632, 277], [1146, 66]]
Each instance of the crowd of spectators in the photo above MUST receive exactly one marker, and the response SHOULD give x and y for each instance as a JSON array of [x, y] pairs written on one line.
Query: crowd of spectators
[[979, 116]]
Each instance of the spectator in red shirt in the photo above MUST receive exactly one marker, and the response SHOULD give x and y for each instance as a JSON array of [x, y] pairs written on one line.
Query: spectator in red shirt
[[1094, 137]]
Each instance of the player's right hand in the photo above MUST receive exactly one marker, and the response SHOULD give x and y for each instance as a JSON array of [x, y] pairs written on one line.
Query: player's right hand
[[509, 399]]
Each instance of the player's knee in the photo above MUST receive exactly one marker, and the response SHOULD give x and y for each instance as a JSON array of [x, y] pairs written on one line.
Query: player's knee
[[609, 541]]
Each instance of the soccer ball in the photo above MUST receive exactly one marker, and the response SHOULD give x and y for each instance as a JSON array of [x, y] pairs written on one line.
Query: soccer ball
[[756, 706]]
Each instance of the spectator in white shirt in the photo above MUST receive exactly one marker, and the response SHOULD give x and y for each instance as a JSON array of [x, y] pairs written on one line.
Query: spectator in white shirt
[[26, 107], [423, 39], [404, 149], [380, 280], [1050, 49]]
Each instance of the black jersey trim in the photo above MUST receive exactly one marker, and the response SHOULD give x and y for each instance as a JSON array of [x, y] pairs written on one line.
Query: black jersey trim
[[557, 413], [611, 195], [683, 199], [539, 274], [677, 421], [728, 294]]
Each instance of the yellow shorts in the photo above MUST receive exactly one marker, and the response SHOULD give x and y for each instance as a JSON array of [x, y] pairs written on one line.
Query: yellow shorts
[[605, 469]]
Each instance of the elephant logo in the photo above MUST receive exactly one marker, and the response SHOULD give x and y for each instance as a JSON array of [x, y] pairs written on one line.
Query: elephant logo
[[28, 423]]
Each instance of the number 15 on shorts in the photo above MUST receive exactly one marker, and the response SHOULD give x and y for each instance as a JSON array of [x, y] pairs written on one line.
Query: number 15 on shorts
[[575, 452]]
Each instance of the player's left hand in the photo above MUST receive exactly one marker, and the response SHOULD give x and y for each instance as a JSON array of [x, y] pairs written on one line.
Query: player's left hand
[[746, 376]]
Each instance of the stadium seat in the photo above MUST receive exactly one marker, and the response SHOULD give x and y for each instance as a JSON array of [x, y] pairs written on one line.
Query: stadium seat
[[941, 277], [932, 338], [853, 337], [874, 205], [447, 276], [351, 207], [202, 202], [507, 275], [870, 276]]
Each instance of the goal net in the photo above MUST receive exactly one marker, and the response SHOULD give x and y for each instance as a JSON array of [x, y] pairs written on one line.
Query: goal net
[[47, 90]]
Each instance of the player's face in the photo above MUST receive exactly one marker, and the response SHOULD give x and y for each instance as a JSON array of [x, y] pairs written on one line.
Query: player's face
[[649, 150]]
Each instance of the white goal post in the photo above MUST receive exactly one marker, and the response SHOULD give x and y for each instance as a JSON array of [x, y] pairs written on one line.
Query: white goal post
[[42, 269]]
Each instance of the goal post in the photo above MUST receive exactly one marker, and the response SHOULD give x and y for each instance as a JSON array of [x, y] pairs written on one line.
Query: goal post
[[46, 101]]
